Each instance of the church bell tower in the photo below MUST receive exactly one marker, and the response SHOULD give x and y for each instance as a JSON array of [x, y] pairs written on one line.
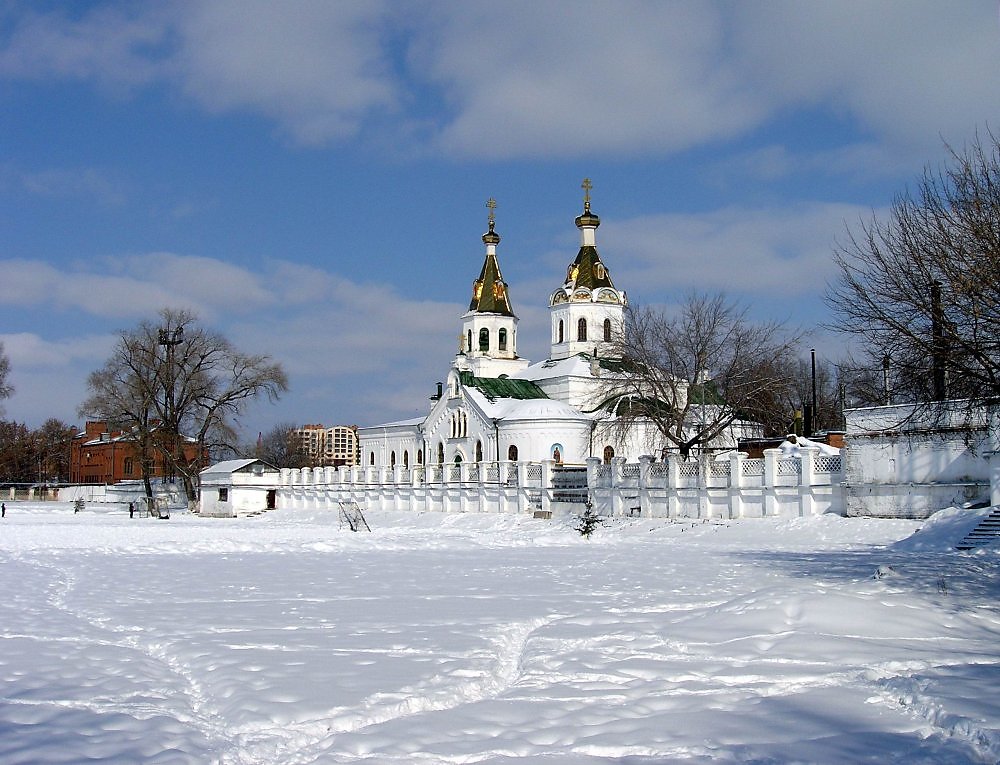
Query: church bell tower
[[488, 344], [587, 312]]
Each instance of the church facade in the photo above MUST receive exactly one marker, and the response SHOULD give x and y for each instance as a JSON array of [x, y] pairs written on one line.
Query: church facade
[[497, 406]]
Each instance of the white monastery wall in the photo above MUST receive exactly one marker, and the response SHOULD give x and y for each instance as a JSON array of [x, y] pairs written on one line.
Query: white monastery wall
[[901, 462]]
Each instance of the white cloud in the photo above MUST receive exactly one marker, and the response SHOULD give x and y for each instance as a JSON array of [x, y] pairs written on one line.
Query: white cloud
[[541, 79], [908, 72], [91, 182], [767, 256], [316, 67], [114, 46], [549, 79], [367, 342]]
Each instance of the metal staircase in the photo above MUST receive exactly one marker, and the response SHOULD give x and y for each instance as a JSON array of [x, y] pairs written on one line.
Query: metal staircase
[[987, 530]]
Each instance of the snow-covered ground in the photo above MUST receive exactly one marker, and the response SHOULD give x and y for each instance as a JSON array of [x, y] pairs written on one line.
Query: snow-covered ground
[[489, 639]]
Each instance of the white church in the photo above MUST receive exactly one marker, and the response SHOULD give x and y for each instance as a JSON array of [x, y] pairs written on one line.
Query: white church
[[497, 406]]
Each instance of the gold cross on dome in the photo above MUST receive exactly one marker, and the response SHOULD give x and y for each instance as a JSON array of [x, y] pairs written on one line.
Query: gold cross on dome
[[586, 186], [492, 204]]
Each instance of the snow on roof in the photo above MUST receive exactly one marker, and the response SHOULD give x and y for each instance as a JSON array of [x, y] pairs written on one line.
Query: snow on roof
[[577, 366], [801, 442], [540, 409], [523, 409], [410, 423], [234, 466]]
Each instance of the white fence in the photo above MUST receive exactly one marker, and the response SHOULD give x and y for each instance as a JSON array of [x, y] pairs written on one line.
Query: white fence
[[735, 487]]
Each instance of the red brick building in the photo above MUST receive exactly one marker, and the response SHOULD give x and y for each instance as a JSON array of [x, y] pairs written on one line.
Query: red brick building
[[101, 455]]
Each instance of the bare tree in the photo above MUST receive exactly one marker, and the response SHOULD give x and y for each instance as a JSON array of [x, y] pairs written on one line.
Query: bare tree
[[6, 390], [694, 373], [53, 440], [279, 447], [178, 387], [920, 290]]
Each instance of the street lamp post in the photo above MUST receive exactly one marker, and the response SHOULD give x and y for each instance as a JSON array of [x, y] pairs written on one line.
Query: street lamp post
[[170, 340]]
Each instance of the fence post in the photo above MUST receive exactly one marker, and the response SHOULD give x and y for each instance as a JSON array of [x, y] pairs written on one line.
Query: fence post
[[771, 457], [807, 479], [618, 487], [673, 482], [546, 485], [645, 495], [736, 484], [522, 497], [593, 487], [704, 481]]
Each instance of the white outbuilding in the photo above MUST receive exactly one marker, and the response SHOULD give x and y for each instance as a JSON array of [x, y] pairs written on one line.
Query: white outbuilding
[[235, 487]]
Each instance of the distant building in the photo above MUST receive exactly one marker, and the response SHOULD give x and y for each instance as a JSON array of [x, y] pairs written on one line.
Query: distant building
[[102, 455], [337, 445]]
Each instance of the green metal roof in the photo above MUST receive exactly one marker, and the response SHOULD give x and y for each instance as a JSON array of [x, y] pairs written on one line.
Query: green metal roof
[[502, 387]]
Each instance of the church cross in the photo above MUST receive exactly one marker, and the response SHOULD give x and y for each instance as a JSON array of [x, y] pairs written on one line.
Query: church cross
[[492, 204], [586, 186]]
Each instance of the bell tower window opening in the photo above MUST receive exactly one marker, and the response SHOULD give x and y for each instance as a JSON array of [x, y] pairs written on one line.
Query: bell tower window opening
[[607, 330], [560, 340], [502, 339], [484, 339], [468, 347], [581, 331]]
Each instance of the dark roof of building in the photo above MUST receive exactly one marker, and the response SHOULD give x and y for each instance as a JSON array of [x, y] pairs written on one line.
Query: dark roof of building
[[489, 292]]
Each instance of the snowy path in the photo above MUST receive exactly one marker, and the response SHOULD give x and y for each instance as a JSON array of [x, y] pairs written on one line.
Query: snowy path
[[479, 639]]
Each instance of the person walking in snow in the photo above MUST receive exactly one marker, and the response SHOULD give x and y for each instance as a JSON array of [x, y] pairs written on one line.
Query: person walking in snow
[[3, 509], [131, 509]]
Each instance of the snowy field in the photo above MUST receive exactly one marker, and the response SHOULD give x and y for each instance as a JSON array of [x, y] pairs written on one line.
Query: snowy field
[[489, 639]]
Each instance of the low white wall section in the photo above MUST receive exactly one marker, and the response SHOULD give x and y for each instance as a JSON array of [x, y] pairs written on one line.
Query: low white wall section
[[736, 487]]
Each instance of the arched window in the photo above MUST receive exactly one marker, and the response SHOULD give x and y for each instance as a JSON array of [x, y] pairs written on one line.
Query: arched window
[[458, 459], [609, 453], [484, 339], [560, 331], [440, 452], [406, 458], [512, 453], [607, 330], [581, 331], [479, 451], [392, 458], [371, 458], [502, 339], [420, 456], [469, 346]]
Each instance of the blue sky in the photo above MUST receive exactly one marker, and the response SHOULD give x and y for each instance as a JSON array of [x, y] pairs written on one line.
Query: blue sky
[[310, 177]]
